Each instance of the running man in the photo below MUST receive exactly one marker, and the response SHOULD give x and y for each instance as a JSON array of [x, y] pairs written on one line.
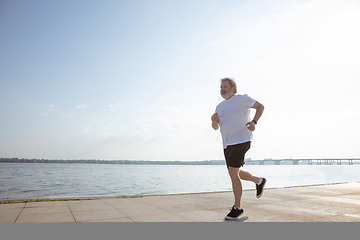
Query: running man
[[232, 116]]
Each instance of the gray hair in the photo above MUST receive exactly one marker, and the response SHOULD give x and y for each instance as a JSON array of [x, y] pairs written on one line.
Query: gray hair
[[231, 82]]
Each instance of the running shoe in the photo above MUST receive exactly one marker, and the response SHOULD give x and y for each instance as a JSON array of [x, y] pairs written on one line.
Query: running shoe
[[260, 188], [234, 213]]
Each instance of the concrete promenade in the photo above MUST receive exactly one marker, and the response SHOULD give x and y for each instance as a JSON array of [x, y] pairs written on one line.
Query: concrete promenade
[[322, 203]]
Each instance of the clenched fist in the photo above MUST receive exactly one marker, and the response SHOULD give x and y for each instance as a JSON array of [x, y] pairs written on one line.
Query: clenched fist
[[215, 121]]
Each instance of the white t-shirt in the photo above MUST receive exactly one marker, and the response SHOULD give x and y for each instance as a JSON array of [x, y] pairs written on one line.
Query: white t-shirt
[[233, 115]]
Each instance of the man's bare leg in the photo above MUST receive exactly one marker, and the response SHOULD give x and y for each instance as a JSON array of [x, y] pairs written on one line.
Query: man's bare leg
[[249, 177], [236, 174], [236, 184], [244, 175]]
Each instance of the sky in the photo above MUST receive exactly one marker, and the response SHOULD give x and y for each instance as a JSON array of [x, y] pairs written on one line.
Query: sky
[[139, 80]]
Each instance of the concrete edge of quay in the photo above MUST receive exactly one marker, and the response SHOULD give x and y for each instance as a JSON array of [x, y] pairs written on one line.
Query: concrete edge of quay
[[10, 201]]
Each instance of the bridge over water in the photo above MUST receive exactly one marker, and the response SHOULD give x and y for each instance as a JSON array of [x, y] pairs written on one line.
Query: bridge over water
[[325, 161]]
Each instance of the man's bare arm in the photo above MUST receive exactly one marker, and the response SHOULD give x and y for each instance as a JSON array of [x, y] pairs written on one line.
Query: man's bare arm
[[259, 111]]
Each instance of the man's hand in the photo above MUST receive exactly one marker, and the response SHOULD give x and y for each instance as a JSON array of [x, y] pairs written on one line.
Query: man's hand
[[215, 118], [251, 126], [215, 121]]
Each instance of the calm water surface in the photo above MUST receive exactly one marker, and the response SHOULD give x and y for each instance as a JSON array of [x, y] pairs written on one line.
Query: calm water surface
[[52, 180]]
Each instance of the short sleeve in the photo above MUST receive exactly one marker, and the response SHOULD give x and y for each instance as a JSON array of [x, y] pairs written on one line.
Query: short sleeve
[[248, 101]]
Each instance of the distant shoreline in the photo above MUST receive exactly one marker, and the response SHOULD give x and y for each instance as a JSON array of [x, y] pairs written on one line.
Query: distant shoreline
[[338, 161], [84, 161]]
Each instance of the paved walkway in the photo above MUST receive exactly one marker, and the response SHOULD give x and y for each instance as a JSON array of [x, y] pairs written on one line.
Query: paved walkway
[[323, 203]]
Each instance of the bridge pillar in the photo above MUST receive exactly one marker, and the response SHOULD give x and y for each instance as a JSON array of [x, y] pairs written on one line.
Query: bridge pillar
[[295, 162]]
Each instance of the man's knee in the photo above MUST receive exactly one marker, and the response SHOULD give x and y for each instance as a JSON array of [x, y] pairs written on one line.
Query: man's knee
[[234, 172]]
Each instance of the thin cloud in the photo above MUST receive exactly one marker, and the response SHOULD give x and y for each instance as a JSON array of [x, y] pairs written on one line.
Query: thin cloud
[[67, 115], [117, 106], [81, 106]]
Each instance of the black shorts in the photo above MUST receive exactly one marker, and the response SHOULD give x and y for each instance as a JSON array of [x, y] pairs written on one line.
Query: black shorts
[[235, 154]]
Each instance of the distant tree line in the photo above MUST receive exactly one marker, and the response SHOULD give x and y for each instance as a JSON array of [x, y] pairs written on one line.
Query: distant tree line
[[92, 161]]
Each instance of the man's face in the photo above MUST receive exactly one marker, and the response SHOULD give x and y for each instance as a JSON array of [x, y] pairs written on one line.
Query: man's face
[[226, 90]]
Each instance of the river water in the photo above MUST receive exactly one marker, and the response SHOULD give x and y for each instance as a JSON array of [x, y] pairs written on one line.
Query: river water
[[52, 180]]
